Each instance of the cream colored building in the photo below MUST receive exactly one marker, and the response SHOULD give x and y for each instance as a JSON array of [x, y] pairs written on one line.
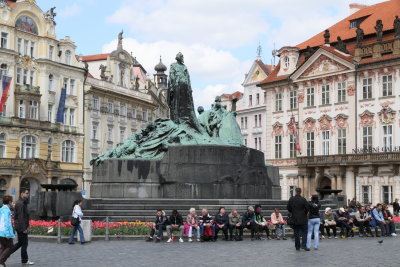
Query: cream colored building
[[34, 149], [120, 99], [339, 104]]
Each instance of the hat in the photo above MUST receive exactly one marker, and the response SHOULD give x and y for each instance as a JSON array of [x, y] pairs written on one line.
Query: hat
[[250, 208], [327, 209], [341, 209]]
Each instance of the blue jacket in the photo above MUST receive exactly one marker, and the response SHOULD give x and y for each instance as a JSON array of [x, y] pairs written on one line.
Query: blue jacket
[[378, 215], [6, 229]]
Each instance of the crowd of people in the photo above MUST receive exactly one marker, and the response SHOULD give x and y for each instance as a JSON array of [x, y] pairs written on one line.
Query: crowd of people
[[305, 218]]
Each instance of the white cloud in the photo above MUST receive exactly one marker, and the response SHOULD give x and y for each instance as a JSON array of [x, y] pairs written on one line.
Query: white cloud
[[70, 11]]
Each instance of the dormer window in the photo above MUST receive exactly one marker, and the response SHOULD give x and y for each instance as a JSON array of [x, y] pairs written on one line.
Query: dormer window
[[355, 22], [68, 57], [286, 62]]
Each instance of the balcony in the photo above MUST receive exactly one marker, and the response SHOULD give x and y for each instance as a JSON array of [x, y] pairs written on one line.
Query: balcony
[[257, 130], [37, 124], [244, 131], [23, 163], [350, 159]]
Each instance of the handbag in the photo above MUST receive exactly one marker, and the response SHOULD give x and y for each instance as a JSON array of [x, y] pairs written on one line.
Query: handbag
[[75, 221]]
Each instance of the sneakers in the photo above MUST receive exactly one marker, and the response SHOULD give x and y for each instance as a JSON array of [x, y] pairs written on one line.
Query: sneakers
[[335, 237], [393, 234], [149, 239], [190, 240], [198, 239], [169, 240], [180, 240], [28, 263], [278, 238]]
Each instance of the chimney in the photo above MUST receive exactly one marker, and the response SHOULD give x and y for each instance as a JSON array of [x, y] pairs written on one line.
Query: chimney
[[356, 7]]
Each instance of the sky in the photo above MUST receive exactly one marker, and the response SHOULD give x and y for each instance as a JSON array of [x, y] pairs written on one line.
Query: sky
[[219, 38]]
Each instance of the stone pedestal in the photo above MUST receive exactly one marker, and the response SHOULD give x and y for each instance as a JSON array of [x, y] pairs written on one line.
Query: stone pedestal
[[189, 172], [87, 230]]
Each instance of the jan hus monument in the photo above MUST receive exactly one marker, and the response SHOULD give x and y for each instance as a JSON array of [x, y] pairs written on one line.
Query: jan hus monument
[[185, 156]]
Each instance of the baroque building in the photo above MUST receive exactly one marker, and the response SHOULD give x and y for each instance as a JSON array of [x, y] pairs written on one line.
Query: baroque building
[[120, 99], [333, 106], [41, 123]]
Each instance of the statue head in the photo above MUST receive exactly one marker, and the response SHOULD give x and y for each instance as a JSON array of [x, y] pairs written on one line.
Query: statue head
[[217, 99], [179, 58], [200, 109], [339, 39]]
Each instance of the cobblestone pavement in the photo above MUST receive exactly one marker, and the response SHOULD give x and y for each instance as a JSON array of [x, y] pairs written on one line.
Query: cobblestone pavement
[[349, 252]]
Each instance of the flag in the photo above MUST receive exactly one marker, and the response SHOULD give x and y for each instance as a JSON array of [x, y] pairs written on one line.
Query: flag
[[61, 106], [293, 129], [6, 86]]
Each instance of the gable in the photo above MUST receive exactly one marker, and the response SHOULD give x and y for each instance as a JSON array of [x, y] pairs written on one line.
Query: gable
[[256, 74], [323, 65]]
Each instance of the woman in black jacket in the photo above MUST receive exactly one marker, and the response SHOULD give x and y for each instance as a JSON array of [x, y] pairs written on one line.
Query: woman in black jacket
[[313, 221]]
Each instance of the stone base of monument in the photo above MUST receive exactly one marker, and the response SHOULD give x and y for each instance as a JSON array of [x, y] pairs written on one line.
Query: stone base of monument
[[189, 172]]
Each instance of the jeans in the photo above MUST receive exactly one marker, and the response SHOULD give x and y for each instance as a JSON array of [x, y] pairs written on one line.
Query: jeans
[[160, 229], [280, 230], [389, 228], [195, 229], [382, 226], [223, 229], [77, 228], [313, 226], [202, 228], [362, 226], [6, 248], [344, 226], [23, 244], [171, 229], [300, 231]]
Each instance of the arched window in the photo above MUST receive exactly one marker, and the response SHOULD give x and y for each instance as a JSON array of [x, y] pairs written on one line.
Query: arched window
[[28, 147], [50, 82], [2, 145], [68, 149], [68, 57], [26, 24], [3, 71]]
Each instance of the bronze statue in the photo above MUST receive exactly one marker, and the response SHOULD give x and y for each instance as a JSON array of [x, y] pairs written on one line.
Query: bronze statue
[[308, 53], [341, 46], [327, 35], [359, 36], [396, 26], [379, 30], [180, 99], [120, 40]]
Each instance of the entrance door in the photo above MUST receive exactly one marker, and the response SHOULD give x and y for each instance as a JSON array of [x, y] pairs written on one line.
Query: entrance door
[[33, 185]]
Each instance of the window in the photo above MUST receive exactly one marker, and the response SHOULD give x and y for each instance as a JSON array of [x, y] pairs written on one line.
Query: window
[[4, 38], [325, 94], [51, 52], [19, 45], [255, 143], [387, 85], [245, 122], [259, 143], [26, 45], [96, 103], [95, 131], [310, 144], [19, 76], [241, 123], [71, 86], [259, 120], [65, 83], [265, 97], [33, 110], [250, 100], [32, 49], [342, 141], [258, 99], [387, 194], [31, 78], [291, 190], [310, 97], [387, 137], [68, 57], [28, 147], [366, 194], [255, 120], [50, 82], [110, 134], [121, 135], [110, 107], [21, 109], [367, 138], [123, 110], [287, 62], [245, 142], [292, 145], [67, 154], [278, 146], [65, 116], [50, 113], [144, 115], [367, 88], [25, 78], [325, 143], [133, 112], [72, 117], [278, 102], [2, 145], [3, 71], [293, 99], [341, 97]]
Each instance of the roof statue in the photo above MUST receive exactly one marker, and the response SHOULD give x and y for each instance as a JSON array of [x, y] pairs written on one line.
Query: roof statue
[[213, 127], [341, 46], [396, 26], [327, 35], [359, 35], [379, 30], [120, 37]]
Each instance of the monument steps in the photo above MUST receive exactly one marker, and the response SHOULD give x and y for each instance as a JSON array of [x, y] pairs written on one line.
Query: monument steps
[[144, 209]]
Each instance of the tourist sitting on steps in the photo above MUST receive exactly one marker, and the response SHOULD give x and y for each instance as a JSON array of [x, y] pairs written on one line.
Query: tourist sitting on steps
[[248, 219], [192, 221], [159, 225], [175, 223], [329, 222], [362, 221], [379, 219], [279, 223], [221, 221], [260, 224], [349, 215], [235, 225], [207, 228], [389, 224], [343, 222]]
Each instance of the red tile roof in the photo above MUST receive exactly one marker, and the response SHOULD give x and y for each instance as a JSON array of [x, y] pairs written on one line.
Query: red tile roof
[[235, 95], [386, 11], [95, 57], [264, 67]]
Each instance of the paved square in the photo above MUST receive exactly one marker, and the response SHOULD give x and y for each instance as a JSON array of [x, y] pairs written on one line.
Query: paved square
[[351, 252]]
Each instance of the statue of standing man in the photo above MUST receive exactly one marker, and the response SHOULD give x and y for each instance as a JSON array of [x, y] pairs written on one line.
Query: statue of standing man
[[180, 99]]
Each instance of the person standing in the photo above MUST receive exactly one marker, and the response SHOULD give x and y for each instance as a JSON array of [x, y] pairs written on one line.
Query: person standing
[[6, 230], [299, 208], [314, 222], [21, 224], [77, 214], [396, 207]]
